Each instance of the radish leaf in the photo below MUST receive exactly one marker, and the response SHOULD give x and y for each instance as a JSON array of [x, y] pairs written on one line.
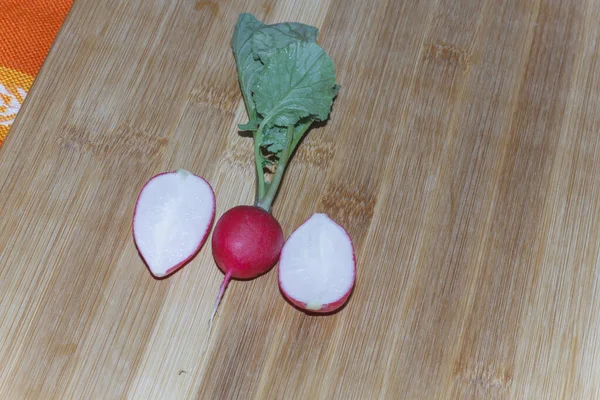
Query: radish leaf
[[273, 139], [270, 38], [247, 66], [249, 126], [297, 81]]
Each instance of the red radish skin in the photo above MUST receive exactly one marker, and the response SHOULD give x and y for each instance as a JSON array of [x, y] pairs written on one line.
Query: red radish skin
[[319, 229], [207, 221], [246, 243]]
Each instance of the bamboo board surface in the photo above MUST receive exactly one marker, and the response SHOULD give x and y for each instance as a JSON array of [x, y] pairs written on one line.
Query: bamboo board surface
[[461, 155]]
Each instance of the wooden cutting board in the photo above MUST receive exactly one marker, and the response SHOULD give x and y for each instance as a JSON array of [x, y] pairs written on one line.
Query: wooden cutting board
[[462, 155]]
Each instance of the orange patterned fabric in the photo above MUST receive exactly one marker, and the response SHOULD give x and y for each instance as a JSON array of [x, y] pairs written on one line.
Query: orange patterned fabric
[[27, 30]]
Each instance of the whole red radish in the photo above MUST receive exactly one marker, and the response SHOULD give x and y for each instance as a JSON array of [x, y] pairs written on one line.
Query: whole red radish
[[173, 215], [246, 243], [317, 267]]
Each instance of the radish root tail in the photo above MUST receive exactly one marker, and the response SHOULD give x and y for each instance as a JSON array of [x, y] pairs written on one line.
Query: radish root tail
[[219, 297]]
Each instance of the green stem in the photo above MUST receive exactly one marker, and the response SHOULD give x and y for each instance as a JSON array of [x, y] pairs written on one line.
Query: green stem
[[302, 128], [267, 200], [258, 158], [260, 175]]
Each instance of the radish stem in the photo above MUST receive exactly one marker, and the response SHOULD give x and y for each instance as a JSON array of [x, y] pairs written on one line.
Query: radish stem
[[260, 175], [267, 200]]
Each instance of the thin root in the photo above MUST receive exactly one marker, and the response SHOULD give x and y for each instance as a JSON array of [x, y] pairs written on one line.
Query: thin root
[[219, 297]]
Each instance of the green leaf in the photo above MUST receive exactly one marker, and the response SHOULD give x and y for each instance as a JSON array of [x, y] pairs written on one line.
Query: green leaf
[[247, 66], [273, 139], [336, 90], [249, 126], [297, 81], [270, 38], [266, 163]]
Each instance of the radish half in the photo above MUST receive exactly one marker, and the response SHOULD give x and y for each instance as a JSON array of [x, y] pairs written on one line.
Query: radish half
[[317, 267], [172, 218]]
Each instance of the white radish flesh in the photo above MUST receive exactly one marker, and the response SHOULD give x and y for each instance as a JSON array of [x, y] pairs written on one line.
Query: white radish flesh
[[317, 267], [173, 216]]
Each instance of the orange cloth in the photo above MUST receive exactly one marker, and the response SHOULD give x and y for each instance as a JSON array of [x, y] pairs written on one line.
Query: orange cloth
[[27, 30]]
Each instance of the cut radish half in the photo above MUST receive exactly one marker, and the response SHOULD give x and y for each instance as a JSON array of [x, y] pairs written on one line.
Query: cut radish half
[[317, 267], [172, 218]]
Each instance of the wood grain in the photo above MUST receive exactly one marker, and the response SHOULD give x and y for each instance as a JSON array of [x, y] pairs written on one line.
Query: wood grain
[[461, 155]]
